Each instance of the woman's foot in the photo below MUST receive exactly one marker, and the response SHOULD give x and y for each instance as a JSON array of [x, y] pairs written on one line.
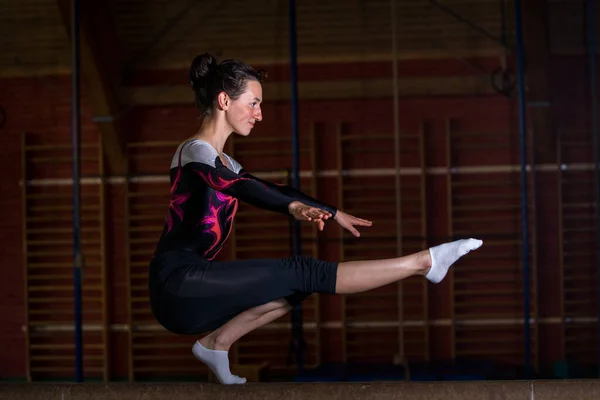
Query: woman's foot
[[444, 255], [218, 362]]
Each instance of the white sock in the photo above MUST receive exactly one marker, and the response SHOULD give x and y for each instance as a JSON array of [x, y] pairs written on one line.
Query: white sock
[[444, 255], [218, 362]]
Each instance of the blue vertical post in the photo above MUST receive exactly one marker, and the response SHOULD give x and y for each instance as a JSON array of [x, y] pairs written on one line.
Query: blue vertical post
[[75, 139], [524, 202], [594, 113], [297, 330]]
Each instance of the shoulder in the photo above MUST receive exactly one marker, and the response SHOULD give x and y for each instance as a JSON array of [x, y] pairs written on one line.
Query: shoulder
[[195, 151], [236, 166]]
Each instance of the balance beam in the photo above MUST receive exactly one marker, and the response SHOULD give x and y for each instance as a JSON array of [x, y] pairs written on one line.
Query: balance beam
[[473, 390]]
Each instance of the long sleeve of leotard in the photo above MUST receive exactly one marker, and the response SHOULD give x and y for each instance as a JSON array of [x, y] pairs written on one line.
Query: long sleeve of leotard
[[293, 193], [202, 159], [243, 188]]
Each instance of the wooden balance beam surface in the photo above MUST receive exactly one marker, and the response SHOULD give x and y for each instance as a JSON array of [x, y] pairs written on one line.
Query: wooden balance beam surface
[[496, 390]]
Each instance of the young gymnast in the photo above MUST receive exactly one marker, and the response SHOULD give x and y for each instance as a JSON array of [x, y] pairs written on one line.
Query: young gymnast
[[192, 294]]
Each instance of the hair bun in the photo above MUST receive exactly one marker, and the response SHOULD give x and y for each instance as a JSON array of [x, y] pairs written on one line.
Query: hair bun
[[203, 66]]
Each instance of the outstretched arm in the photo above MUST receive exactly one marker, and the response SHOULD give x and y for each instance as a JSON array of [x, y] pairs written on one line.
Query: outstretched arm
[[346, 221], [255, 192], [293, 193]]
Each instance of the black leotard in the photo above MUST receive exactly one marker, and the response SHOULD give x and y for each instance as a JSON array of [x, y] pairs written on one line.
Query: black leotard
[[189, 292]]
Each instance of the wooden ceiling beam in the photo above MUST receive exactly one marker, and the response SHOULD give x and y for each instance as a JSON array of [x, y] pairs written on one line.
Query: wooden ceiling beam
[[100, 71]]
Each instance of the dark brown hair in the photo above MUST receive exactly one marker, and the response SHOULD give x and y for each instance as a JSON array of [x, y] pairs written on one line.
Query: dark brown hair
[[208, 79]]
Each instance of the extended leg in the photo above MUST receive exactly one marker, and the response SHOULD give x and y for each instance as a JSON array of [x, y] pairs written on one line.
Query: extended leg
[[359, 276]]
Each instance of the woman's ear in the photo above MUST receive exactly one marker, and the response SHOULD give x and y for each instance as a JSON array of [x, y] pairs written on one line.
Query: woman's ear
[[223, 101]]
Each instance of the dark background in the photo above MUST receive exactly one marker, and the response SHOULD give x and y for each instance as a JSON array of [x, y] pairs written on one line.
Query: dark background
[[460, 176]]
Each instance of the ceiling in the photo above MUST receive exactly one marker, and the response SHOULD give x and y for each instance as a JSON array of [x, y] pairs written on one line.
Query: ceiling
[[169, 33]]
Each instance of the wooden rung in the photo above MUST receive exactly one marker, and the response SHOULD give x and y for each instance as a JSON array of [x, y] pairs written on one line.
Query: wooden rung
[[263, 139], [268, 152], [373, 199], [60, 287], [367, 246], [139, 287], [41, 196], [57, 300], [515, 218], [498, 196], [368, 150], [143, 264], [255, 213], [65, 253], [34, 231], [481, 146], [59, 265], [252, 238], [371, 307], [143, 241], [148, 228], [155, 143], [162, 346], [55, 208], [64, 369], [476, 134], [284, 246], [576, 143], [366, 138], [486, 292], [500, 350], [481, 340], [62, 242], [569, 241], [50, 218], [42, 147], [579, 205], [479, 233], [501, 242], [368, 186], [138, 299], [488, 207], [69, 311], [367, 211], [503, 183], [169, 369], [65, 346], [144, 252], [149, 217], [578, 253], [151, 206], [152, 156], [47, 277], [57, 160], [487, 303], [579, 230], [478, 279], [169, 357], [577, 218], [149, 195]]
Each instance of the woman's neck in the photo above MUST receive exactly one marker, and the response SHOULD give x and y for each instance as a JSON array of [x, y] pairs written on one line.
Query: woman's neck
[[214, 131]]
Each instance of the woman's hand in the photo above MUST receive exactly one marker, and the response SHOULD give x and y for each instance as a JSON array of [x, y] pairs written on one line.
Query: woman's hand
[[303, 212], [348, 222]]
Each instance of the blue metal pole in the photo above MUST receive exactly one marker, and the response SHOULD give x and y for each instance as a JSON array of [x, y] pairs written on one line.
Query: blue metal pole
[[297, 330], [524, 215], [75, 142], [594, 95]]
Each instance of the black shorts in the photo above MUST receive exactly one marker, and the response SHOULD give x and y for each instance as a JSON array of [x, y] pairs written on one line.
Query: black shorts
[[190, 294]]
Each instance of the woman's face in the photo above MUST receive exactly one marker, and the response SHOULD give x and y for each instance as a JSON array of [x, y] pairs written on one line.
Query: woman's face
[[243, 113]]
